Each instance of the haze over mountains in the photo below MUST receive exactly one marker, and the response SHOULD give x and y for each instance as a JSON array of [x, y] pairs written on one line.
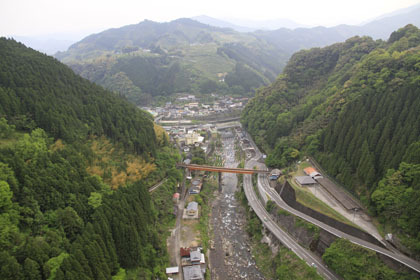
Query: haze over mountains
[[379, 27], [151, 60], [247, 25]]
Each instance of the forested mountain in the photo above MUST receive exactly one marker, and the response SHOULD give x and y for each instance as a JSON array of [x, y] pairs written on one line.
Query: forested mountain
[[292, 40], [355, 107], [59, 217], [37, 90], [152, 59]]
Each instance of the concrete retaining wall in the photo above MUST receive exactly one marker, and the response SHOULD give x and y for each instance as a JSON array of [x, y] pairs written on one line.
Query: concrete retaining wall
[[288, 194]]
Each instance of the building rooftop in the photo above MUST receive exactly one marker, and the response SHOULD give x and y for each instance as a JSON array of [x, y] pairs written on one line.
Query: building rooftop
[[192, 206], [185, 252], [276, 172], [192, 272], [309, 170], [195, 256], [172, 270], [305, 180]]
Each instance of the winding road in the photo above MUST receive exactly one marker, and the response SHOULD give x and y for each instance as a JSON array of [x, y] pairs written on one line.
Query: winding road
[[281, 235], [266, 191]]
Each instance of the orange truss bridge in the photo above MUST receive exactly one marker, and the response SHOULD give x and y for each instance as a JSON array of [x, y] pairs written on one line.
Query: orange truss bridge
[[220, 169]]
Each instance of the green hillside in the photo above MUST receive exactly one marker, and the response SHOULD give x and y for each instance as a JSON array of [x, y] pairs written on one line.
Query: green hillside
[[37, 90], [63, 143], [149, 59], [355, 107]]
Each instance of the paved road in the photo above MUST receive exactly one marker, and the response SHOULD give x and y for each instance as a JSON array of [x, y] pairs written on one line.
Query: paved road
[[265, 186], [284, 238]]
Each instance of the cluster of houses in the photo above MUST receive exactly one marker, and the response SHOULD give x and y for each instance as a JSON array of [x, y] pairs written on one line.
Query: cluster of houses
[[193, 264], [190, 137], [245, 143], [189, 106]]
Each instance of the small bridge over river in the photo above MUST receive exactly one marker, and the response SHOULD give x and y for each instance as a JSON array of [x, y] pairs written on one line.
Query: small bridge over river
[[221, 169]]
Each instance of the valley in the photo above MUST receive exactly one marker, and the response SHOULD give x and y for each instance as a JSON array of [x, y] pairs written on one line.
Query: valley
[[184, 150]]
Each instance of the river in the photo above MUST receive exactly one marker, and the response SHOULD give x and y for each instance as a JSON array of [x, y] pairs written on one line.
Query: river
[[231, 257]]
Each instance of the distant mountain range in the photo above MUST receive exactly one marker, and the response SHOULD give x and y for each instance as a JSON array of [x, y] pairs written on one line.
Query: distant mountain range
[[46, 44], [378, 28], [246, 25], [152, 60]]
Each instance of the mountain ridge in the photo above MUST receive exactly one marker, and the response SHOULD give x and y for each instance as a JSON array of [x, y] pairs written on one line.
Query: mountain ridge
[[354, 107], [152, 61]]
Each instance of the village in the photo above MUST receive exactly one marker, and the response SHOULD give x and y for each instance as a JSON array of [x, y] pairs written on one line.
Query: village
[[189, 256], [189, 108], [206, 142], [209, 144]]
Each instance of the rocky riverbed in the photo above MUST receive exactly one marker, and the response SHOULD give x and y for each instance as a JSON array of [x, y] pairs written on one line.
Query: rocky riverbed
[[230, 256]]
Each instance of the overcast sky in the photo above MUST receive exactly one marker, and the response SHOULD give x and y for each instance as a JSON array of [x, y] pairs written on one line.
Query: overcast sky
[[38, 17]]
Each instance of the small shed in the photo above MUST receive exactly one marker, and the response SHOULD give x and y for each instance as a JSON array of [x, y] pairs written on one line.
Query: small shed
[[192, 208], [184, 252], [196, 182], [195, 257], [305, 180], [194, 190], [172, 270], [275, 174], [310, 171]]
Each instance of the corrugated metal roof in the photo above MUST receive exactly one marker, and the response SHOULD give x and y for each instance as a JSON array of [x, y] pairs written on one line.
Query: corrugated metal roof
[[192, 206], [172, 270], [195, 256], [305, 180]]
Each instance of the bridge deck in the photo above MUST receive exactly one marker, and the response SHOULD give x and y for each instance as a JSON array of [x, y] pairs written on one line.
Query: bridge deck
[[221, 169]]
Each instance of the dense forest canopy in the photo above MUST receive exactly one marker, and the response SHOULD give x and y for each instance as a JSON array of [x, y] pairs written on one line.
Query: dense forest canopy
[[59, 218], [38, 91], [353, 106]]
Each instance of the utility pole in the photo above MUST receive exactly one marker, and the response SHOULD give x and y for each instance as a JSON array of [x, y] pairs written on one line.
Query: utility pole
[[354, 213]]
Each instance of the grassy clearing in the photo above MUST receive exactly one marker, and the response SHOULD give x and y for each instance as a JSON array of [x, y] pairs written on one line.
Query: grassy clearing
[[206, 60], [16, 135], [305, 197], [304, 164], [204, 199], [202, 226]]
